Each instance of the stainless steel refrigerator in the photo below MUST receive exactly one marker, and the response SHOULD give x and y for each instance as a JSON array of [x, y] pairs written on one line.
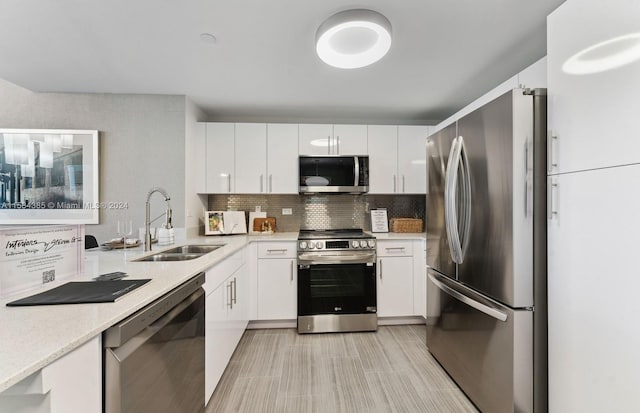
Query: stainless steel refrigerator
[[486, 243]]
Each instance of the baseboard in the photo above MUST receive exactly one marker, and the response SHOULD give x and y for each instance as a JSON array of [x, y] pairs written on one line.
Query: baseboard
[[382, 321]]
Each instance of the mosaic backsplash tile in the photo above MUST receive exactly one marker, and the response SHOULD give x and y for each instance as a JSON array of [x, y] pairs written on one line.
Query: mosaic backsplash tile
[[323, 211]]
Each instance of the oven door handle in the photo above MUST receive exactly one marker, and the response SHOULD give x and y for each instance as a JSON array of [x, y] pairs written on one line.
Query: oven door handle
[[312, 259]]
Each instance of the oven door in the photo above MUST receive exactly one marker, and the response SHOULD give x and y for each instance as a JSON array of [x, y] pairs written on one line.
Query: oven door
[[336, 283]]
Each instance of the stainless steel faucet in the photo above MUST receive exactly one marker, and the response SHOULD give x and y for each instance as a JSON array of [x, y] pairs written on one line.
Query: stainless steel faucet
[[148, 221]]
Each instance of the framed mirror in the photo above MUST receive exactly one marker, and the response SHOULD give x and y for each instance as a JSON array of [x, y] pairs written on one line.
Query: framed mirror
[[49, 176]]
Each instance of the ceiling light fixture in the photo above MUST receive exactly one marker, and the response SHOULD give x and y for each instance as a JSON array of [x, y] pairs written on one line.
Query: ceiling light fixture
[[353, 38], [607, 55]]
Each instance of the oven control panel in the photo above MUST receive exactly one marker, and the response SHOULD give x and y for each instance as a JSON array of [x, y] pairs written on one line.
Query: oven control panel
[[354, 244]]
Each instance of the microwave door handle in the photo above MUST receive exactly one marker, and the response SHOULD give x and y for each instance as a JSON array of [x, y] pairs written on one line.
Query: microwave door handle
[[356, 171]]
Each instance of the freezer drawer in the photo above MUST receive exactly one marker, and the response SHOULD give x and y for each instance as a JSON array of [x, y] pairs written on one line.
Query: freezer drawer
[[487, 348]]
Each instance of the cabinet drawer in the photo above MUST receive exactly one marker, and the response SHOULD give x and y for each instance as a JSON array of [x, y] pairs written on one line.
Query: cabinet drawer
[[401, 248], [277, 250]]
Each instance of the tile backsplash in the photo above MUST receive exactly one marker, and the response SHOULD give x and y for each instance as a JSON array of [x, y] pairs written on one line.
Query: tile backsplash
[[322, 211]]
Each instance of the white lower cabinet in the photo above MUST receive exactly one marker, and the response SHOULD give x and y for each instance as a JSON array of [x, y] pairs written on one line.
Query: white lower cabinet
[[226, 315], [420, 278], [395, 278], [71, 384], [277, 281]]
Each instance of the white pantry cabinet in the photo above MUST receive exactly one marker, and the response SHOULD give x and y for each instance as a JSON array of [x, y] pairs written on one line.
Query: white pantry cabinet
[[277, 281], [395, 278], [593, 286], [226, 315], [324, 139], [592, 117], [71, 384], [219, 160], [282, 158]]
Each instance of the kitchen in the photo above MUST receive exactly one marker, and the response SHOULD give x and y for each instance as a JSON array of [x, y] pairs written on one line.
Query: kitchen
[[138, 144]]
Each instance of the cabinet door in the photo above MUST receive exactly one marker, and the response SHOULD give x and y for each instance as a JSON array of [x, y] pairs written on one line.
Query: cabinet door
[[594, 116], [277, 289], [383, 159], [395, 286], [220, 162], [412, 159], [350, 140], [315, 139], [420, 278], [251, 158], [282, 158], [593, 285], [239, 308], [218, 337]]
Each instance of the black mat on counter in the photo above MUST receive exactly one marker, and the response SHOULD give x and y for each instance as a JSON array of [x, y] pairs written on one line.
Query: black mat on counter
[[82, 292]]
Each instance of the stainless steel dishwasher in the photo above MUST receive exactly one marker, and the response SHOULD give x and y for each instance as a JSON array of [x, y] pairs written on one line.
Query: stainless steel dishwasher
[[154, 359]]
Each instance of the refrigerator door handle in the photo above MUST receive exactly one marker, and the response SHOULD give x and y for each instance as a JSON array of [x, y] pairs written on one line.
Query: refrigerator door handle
[[490, 311], [466, 199], [450, 201]]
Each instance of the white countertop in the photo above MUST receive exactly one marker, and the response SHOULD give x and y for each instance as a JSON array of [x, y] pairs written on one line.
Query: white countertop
[[33, 337]]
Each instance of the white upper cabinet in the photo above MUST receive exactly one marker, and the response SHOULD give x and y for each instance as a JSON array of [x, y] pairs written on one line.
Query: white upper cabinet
[[250, 158], [282, 158], [314, 139], [383, 159], [592, 117], [412, 159], [534, 76], [219, 162], [397, 159], [320, 139], [350, 140]]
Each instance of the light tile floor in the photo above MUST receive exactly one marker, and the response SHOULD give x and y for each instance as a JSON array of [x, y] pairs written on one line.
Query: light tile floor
[[386, 371]]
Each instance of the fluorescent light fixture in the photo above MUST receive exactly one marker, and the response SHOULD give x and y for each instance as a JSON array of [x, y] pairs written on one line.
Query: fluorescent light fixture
[[607, 55], [353, 38]]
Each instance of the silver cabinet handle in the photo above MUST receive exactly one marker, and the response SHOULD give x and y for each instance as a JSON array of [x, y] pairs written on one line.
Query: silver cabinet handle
[[380, 272], [229, 183], [552, 163], [292, 266], [403, 185], [337, 145], [229, 299], [281, 251], [552, 186], [394, 248], [490, 311], [329, 144], [270, 183], [261, 183], [394, 184], [234, 290]]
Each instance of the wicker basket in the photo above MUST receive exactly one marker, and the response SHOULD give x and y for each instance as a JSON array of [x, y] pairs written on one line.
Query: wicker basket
[[406, 225]]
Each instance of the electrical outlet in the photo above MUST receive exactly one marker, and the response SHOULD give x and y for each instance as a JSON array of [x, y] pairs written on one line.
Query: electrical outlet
[[258, 208], [287, 211]]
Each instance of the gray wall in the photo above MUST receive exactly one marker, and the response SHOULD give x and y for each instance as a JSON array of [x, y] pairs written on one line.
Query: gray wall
[[142, 144]]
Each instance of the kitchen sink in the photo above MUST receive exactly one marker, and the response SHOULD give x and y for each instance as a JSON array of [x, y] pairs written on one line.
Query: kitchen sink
[[182, 253], [193, 249]]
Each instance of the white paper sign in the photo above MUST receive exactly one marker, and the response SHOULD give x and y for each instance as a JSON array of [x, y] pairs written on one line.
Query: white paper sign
[[32, 256], [379, 222]]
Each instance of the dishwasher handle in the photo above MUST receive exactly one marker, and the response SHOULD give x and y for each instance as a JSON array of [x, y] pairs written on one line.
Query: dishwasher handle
[[128, 328]]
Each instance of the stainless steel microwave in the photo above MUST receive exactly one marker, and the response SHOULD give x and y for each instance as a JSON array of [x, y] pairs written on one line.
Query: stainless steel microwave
[[334, 174]]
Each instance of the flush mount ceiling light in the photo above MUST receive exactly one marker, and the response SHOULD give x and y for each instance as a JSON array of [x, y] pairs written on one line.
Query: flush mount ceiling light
[[353, 38], [607, 55]]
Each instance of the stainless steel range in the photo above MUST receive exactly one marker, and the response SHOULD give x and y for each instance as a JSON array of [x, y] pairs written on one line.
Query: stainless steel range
[[336, 281]]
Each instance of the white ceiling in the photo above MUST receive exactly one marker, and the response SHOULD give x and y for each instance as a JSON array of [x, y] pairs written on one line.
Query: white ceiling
[[263, 66]]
